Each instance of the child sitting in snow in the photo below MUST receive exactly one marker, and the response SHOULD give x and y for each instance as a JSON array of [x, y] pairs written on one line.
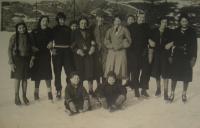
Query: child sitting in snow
[[112, 94], [76, 97]]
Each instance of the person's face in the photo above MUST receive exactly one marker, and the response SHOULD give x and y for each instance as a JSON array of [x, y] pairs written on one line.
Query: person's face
[[141, 18], [83, 24], [75, 80], [130, 20], [21, 29], [163, 23], [44, 22], [73, 26], [100, 19], [111, 80], [117, 21], [184, 22], [61, 21]]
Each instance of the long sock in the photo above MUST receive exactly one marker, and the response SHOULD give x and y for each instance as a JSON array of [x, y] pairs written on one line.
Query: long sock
[[185, 87], [17, 86], [165, 82], [24, 87], [48, 84], [37, 85], [173, 87], [158, 84]]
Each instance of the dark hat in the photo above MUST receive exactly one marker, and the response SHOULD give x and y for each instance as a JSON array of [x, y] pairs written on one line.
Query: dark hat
[[60, 15]]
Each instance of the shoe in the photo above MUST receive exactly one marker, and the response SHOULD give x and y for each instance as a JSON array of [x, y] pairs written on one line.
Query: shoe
[[58, 94], [50, 96], [137, 93], [113, 108], [184, 98], [36, 96], [25, 99], [171, 98], [166, 97], [144, 93], [17, 100], [158, 92]]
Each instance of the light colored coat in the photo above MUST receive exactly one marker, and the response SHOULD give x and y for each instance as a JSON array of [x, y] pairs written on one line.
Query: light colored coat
[[117, 41]]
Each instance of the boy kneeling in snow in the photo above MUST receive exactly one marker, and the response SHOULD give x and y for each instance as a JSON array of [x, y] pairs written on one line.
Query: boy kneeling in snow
[[76, 97], [112, 94]]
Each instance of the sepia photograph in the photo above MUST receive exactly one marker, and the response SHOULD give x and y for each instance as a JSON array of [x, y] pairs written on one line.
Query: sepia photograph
[[99, 63]]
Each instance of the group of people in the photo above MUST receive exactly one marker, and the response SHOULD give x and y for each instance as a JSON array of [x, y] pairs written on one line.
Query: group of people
[[114, 55]]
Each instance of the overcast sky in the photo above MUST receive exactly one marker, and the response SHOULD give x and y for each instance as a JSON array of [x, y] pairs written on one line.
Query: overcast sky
[[181, 2]]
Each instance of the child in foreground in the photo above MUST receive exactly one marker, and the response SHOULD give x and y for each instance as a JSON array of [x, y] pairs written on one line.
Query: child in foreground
[[112, 94], [76, 97]]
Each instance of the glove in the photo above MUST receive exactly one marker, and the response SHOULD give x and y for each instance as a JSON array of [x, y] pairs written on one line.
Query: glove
[[53, 51], [31, 63], [13, 67], [92, 50], [169, 45], [50, 45], [80, 52], [72, 107]]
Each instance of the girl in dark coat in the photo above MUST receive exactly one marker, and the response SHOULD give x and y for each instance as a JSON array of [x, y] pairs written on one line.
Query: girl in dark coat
[[19, 53], [184, 55], [112, 94], [42, 64], [84, 47], [161, 37]]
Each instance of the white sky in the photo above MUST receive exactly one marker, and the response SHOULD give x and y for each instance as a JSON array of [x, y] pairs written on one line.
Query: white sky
[[181, 2]]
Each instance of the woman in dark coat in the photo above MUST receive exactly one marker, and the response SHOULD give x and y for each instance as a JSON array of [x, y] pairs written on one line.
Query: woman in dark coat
[[42, 64], [162, 38], [184, 55], [84, 48]]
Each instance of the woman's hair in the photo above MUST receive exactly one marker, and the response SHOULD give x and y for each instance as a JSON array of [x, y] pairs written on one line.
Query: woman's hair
[[111, 74], [184, 15], [130, 15], [72, 74], [162, 18], [40, 19], [117, 16], [83, 18], [60, 15], [17, 35]]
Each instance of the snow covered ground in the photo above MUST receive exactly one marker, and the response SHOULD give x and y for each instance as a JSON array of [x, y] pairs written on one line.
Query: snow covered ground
[[137, 113]]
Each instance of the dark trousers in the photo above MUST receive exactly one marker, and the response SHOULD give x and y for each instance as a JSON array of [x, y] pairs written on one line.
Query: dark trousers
[[140, 70], [62, 58]]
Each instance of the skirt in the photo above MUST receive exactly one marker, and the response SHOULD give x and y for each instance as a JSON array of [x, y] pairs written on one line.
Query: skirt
[[85, 66], [161, 66], [42, 67], [22, 70], [181, 68]]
